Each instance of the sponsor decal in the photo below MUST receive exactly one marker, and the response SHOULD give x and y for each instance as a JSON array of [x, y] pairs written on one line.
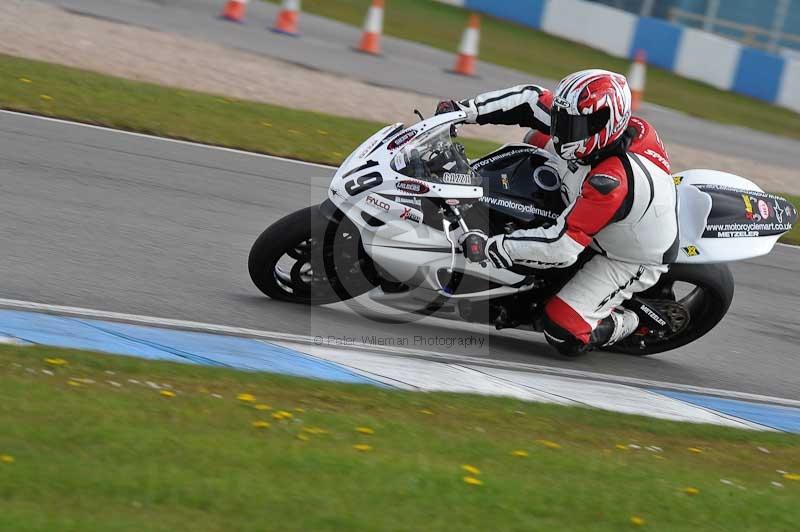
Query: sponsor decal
[[763, 209], [414, 187], [402, 139], [748, 207], [525, 208], [504, 155], [504, 181], [378, 203], [653, 316], [739, 230], [776, 208], [410, 215], [453, 178], [677, 179], [408, 200], [453, 202], [691, 251]]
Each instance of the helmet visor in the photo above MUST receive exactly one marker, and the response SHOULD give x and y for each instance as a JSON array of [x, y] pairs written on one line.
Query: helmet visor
[[569, 128]]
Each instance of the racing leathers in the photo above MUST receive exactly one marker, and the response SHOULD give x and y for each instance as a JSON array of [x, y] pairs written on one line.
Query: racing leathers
[[622, 202]]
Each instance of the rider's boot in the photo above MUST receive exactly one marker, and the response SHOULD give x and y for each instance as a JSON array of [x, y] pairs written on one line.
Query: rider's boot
[[621, 324]]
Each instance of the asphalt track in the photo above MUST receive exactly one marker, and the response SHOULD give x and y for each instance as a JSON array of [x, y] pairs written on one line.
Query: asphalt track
[[118, 222], [326, 45]]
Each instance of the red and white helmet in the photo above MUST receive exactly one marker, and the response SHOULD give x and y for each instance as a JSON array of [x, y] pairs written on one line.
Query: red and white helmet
[[591, 110]]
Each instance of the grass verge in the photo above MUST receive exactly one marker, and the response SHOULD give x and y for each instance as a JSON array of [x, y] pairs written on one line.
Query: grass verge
[[84, 96], [515, 46], [89, 444], [793, 236]]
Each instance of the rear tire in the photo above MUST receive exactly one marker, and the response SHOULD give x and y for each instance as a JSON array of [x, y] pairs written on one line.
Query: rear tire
[[707, 304]]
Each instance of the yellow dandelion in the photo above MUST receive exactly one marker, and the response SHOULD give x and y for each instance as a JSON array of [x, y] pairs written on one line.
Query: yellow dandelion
[[6, 458], [167, 393], [302, 437], [695, 450], [266, 124], [362, 447], [315, 430], [262, 407], [322, 132], [637, 521], [549, 444], [246, 397], [260, 424], [426, 412], [472, 481], [76, 384], [621, 447], [791, 476], [365, 430], [658, 457], [691, 491], [519, 453], [300, 410], [56, 361], [280, 415], [25, 80], [46, 97], [471, 469]]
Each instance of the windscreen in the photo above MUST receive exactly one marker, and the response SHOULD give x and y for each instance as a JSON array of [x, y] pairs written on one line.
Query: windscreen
[[434, 157]]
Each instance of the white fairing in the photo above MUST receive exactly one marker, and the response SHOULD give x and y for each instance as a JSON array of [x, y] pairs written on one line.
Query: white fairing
[[694, 207]]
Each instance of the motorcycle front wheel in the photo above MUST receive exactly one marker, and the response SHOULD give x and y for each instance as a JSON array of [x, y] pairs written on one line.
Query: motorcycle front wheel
[[307, 258]]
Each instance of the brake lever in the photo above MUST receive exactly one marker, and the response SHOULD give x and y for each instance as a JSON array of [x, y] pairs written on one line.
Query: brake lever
[[419, 114], [446, 229]]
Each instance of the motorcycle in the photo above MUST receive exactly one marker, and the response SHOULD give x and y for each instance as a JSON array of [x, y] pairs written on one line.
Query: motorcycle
[[399, 203]]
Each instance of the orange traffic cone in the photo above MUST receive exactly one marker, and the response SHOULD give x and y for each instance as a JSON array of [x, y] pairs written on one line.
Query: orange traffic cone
[[636, 79], [373, 28], [288, 18], [234, 10], [468, 51]]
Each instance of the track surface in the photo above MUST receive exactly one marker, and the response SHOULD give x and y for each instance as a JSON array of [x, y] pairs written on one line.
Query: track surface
[[106, 220], [327, 45]]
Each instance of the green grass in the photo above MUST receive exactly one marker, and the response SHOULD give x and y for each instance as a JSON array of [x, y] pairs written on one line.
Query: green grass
[[793, 236], [94, 98], [99, 457], [527, 50]]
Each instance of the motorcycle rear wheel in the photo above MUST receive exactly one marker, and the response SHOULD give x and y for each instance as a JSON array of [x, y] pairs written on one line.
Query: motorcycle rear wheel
[[706, 305]]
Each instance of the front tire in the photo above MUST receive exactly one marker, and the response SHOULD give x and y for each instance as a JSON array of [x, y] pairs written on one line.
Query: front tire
[[289, 261]]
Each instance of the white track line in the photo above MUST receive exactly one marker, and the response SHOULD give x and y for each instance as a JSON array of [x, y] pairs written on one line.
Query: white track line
[[163, 139], [381, 350]]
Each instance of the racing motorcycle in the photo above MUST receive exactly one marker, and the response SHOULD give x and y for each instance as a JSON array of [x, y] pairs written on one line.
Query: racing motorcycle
[[397, 206]]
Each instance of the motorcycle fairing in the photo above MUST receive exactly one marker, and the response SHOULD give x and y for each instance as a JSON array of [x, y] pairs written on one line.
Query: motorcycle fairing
[[724, 217]]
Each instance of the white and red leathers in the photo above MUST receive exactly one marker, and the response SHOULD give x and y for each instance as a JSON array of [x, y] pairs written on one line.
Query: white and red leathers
[[623, 205]]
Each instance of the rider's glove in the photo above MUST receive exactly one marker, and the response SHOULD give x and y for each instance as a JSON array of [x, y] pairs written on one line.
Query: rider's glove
[[478, 247]]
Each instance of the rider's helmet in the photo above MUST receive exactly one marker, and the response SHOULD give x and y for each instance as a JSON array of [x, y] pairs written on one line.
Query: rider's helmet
[[591, 110]]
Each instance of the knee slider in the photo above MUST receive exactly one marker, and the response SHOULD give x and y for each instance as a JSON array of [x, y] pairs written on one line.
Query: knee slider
[[562, 340]]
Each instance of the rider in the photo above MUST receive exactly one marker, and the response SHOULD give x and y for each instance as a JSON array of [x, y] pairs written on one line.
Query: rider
[[620, 200]]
